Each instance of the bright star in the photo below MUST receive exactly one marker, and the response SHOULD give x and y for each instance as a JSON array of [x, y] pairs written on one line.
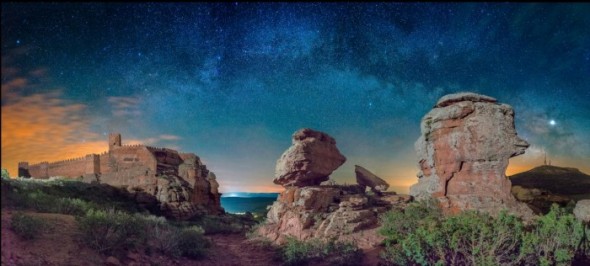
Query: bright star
[[552, 122]]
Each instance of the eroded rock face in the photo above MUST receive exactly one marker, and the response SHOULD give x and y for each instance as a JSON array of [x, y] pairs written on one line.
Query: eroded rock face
[[309, 161], [329, 212], [306, 210], [368, 179], [179, 194], [463, 152], [204, 185]]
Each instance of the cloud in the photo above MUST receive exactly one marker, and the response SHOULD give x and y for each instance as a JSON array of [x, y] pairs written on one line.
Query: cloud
[[43, 127], [169, 137], [159, 140], [124, 107]]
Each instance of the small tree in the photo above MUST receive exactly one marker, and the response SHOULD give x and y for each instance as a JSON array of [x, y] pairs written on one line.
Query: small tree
[[5, 173]]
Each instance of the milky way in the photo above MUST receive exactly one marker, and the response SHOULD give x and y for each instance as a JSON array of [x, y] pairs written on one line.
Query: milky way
[[231, 82]]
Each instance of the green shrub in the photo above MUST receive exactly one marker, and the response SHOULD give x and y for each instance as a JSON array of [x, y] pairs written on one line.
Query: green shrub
[[55, 196], [397, 224], [5, 174], [26, 226], [419, 235], [297, 252], [554, 238], [108, 231], [192, 243], [225, 224], [176, 241]]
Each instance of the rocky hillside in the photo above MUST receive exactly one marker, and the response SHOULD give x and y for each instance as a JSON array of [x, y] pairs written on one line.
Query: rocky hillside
[[547, 184], [555, 179]]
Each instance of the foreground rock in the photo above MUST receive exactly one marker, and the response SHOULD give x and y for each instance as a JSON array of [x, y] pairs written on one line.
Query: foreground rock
[[368, 179], [463, 153], [309, 161], [305, 210], [343, 213], [582, 210]]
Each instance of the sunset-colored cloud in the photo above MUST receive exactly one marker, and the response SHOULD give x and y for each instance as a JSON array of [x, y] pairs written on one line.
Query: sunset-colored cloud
[[44, 127]]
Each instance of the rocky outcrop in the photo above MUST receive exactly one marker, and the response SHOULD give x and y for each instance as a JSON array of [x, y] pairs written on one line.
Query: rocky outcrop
[[309, 161], [582, 210], [306, 210], [204, 184], [368, 179], [329, 212], [178, 192], [545, 185], [539, 200], [463, 151]]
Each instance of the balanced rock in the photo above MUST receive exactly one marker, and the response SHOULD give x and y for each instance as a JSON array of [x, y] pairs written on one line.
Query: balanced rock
[[368, 179], [306, 210], [463, 151], [582, 210], [309, 161]]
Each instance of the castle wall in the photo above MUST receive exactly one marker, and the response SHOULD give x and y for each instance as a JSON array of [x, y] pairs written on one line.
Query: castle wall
[[39, 170], [127, 157], [69, 168], [103, 163]]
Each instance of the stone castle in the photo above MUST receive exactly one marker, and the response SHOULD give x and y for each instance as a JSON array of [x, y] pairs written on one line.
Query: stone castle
[[179, 183]]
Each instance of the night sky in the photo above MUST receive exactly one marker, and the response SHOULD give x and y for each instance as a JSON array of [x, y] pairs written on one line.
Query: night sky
[[231, 82]]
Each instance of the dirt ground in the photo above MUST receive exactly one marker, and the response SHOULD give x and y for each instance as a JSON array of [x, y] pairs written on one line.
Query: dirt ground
[[59, 244]]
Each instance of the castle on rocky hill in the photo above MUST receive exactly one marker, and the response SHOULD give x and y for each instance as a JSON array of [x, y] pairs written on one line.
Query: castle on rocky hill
[[178, 182]]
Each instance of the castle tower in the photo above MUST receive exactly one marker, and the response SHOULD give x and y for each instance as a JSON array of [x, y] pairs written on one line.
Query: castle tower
[[23, 169], [114, 141]]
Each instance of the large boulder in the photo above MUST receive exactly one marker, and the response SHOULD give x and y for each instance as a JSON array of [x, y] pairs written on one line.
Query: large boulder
[[463, 153], [309, 161], [368, 179]]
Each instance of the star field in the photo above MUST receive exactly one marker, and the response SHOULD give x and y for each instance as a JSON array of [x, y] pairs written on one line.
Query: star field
[[232, 81]]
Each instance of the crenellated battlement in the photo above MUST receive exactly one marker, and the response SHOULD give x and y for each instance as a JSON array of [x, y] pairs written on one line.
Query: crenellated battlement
[[138, 166], [68, 160], [116, 158]]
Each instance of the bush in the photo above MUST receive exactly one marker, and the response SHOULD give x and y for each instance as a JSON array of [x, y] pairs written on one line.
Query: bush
[[297, 252], [5, 174], [26, 226], [65, 196], [107, 231], [225, 224], [43, 202], [192, 243], [419, 235], [554, 238], [174, 241]]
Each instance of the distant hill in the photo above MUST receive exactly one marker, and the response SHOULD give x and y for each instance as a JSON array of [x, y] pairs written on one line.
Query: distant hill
[[555, 179], [545, 185]]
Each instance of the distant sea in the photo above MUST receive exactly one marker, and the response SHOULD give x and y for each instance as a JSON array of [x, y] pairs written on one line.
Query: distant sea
[[241, 202]]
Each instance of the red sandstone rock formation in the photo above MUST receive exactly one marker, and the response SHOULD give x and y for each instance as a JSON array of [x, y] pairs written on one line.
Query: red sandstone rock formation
[[329, 212], [179, 183], [367, 179], [463, 153], [305, 210], [309, 161]]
